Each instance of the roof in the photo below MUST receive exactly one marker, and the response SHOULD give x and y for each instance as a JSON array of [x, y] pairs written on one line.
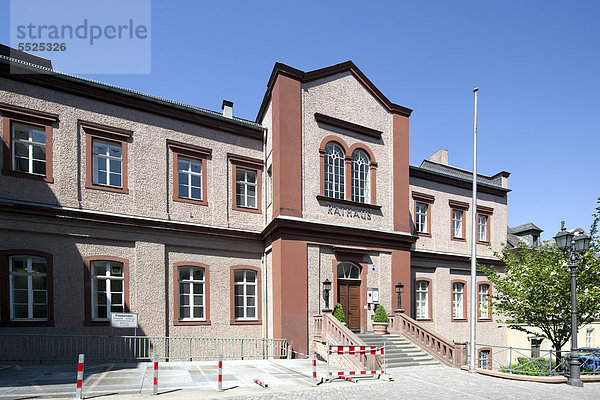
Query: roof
[[348, 66], [454, 176], [512, 240], [524, 228], [37, 74]]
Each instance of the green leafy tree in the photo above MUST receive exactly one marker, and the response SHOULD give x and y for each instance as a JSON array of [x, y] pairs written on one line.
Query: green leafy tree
[[534, 290], [338, 312]]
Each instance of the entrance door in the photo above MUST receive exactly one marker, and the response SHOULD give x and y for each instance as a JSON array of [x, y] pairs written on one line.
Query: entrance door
[[349, 298]]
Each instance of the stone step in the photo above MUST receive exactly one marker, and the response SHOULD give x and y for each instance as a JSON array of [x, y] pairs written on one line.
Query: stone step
[[399, 351]]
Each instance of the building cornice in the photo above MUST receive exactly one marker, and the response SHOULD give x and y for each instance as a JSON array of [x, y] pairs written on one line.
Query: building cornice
[[417, 255], [44, 77], [302, 229], [418, 172], [123, 220]]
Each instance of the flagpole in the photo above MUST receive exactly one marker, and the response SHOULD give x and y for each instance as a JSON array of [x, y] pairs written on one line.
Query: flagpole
[[472, 331]]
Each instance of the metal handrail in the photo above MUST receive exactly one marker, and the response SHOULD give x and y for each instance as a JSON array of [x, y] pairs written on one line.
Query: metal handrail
[[55, 348], [545, 364]]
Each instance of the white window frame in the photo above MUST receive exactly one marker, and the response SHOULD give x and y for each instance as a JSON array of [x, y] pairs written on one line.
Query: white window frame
[[422, 299], [335, 164], [421, 210], [188, 178], [589, 338], [245, 184], [482, 220], [192, 282], [484, 361], [30, 144], [457, 227], [458, 298], [29, 274], [108, 277], [245, 283], [484, 299], [105, 158], [361, 177]]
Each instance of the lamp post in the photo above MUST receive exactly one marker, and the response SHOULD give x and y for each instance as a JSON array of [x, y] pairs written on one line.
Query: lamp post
[[399, 291], [573, 247], [326, 289]]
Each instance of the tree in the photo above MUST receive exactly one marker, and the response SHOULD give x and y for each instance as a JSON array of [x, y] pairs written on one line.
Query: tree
[[534, 289]]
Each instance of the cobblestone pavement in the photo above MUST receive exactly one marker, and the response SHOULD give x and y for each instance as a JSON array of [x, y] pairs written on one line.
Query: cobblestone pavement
[[288, 379]]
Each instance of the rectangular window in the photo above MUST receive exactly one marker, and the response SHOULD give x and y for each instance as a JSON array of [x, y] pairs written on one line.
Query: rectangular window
[[189, 178], [457, 224], [107, 289], [422, 299], [191, 294], [458, 305], [245, 294], [107, 163], [106, 157], [247, 183], [484, 359], [421, 222], [484, 301], [28, 288], [29, 149], [245, 188], [589, 342], [482, 228], [27, 143]]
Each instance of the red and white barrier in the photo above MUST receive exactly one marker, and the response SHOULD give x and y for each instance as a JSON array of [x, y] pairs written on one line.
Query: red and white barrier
[[155, 385], [261, 383], [353, 380], [220, 374], [314, 365], [355, 373], [79, 389], [375, 350]]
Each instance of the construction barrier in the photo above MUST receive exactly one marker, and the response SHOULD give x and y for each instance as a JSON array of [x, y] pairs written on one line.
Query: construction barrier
[[155, 386], [79, 388], [356, 350]]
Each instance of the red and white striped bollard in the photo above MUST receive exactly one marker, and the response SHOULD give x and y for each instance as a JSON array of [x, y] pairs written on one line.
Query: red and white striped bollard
[[261, 383], [155, 386], [220, 376], [314, 365], [79, 390]]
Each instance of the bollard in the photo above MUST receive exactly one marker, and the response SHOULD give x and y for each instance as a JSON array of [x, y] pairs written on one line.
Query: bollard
[[353, 380], [261, 383], [384, 360], [220, 376], [289, 352], [79, 390], [314, 363], [155, 386]]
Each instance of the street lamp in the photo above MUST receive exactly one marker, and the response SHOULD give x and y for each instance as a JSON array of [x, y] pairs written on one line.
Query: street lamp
[[573, 247], [326, 289], [399, 291]]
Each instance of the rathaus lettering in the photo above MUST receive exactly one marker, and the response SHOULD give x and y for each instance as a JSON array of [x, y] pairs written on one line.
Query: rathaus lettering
[[349, 212]]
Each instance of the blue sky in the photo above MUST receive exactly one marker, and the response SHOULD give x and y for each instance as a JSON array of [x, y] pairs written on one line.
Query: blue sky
[[536, 63]]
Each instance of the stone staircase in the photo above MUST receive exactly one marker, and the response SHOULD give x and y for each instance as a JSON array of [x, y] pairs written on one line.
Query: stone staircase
[[399, 351]]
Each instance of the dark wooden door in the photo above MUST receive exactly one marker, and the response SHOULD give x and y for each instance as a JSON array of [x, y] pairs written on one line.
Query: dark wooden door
[[349, 298]]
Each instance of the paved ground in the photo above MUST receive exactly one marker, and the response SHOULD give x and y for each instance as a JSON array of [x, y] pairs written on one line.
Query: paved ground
[[290, 379]]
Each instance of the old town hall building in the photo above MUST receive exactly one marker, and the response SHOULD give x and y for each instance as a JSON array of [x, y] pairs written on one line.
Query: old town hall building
[[209, 225]]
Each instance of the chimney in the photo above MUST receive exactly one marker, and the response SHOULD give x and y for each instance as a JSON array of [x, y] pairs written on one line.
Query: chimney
[[440, 156], [227, 108]]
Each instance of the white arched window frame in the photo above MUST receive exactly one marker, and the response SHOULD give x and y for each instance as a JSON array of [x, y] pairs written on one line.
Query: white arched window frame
[[348, 270], [334, 170], [360, 177]]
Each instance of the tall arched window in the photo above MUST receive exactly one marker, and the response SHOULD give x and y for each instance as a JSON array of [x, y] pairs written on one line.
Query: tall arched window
[[334, 171], [360, 177]]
